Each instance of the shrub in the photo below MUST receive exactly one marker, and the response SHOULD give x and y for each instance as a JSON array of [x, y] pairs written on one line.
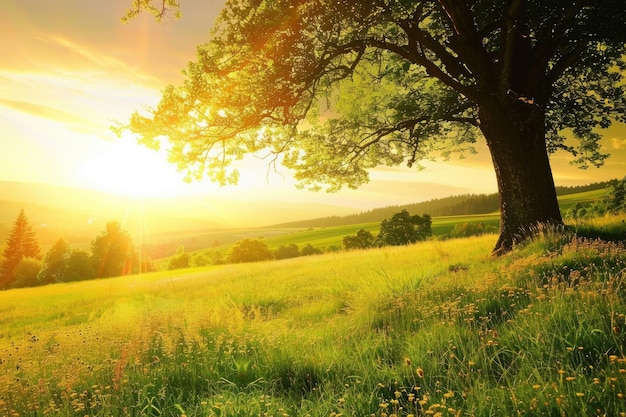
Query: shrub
[[310, 250], [26, 272], [285, 252], [201, 259], [615, 199], [180, 260], [471, 229], [249, 250], [361, 240]]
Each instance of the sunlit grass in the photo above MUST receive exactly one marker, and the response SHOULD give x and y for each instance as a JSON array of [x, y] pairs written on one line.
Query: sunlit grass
[[437, 328]]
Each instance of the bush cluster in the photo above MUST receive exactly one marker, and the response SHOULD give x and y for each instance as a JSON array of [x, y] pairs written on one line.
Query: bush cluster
[[112, 254], [614, 202], [398, 230]]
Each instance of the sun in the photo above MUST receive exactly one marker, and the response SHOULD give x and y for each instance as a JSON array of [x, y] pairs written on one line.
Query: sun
[[126, 168]]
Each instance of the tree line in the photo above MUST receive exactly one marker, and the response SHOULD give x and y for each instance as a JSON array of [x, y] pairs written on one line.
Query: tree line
[[456, 205], [400, 229], [22, 264], [246, 250], [113, 253]]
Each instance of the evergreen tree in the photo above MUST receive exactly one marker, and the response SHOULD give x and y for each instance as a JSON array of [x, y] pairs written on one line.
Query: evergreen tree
[[21, 243]]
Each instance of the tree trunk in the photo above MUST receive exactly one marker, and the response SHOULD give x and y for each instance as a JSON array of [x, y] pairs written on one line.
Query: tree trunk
[[515, 133]]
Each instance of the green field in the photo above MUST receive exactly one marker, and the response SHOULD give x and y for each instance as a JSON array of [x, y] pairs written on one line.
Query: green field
[[333, 236], [326, 237], [566, 201], [438, 328]]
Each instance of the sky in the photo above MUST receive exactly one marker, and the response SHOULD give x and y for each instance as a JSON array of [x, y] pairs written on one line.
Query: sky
[[70, 69]]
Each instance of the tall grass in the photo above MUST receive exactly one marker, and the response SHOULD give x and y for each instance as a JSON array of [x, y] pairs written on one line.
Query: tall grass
[[437, 328]]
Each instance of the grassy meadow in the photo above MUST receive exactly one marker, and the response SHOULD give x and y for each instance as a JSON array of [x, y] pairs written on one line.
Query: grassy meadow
[[438, 328]]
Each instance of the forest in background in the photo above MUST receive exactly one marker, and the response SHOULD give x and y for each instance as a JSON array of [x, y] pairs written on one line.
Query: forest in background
[[462, 204]]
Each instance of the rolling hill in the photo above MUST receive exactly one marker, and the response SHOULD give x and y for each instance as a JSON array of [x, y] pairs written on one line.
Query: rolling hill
[[78, 215], [464, 204], [161, 225]]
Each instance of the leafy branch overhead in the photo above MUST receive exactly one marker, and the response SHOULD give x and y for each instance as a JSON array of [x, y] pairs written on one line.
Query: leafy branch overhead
[[394, 81], [332, 89]]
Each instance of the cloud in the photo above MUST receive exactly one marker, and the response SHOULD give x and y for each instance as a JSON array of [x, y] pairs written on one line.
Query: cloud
[[72, 121], [618, 143], [85, 58], [39, 110], [86, 102]]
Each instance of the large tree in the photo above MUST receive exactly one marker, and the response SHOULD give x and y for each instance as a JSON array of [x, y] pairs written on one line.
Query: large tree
[[334, 88], [21, 244]]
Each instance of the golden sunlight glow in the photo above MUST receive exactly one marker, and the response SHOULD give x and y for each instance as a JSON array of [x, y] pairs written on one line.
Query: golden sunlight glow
[[127, 168]]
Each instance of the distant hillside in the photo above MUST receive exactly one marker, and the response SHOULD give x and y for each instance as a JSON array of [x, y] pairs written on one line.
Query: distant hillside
[[78, 215], [464, 204]]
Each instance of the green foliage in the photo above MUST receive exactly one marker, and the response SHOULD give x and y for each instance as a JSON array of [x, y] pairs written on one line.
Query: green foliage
[[112, 252], [404, 229], [471, 229], [26, 273], [578, 211], [55, 263], [396, 103], [401, 81], [201, 259], [309, 250], [324, 239], [79, 266], [249, 250], [289, 251], [615, 199], [363, 239], [21, 243], [180, 260], [159, 10]]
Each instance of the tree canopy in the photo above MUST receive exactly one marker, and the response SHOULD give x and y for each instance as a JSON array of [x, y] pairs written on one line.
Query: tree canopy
[[404, 229], [363, 239], [112, 252], [55, 263], [334, 88], [249, 250], [21, 244]]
